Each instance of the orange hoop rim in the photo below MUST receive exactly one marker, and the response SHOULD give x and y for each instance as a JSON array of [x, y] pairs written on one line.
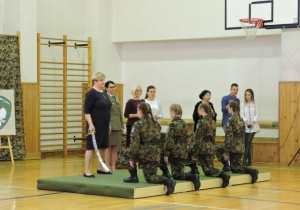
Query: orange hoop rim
[[251, 20], [256, 21]]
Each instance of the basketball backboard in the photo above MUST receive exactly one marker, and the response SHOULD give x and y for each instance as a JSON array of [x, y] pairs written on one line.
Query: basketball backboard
[[275, 13]]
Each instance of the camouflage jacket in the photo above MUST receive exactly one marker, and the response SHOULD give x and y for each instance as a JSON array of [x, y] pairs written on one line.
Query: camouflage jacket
[[204, 137], [142, 133], [176, 139], [235, 135]]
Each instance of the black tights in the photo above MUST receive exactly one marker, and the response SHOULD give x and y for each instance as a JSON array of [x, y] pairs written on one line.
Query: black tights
[[248, 140], [128, 131]]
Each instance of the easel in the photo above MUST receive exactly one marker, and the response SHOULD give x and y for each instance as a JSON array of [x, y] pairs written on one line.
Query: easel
[[298, 152], [8, 147]]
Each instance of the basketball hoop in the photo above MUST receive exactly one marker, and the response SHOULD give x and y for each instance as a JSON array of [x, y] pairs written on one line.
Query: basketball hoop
[[250, 25]]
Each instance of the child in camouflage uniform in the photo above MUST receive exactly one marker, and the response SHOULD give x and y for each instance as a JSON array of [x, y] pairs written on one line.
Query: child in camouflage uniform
[[203, 148], [234, 145], [144, 149], [176, 147]]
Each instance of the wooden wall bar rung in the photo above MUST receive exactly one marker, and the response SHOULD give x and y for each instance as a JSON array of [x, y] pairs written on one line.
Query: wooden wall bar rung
[[76, 81], [77, 46], [75, 40], [75, 104], [52, 98], [51, 121], [52, 86], [51, 133], [74, 127], [48, 68], [74, 115], [50, 110], [52, 104], [76, 132], [51, 38], [58, 139], [51, 116], [74, 75], [49, 91], [51, 74], [81, 64], [56, 45], [76, 121], [74, 98], [51, 127], [51, 80], [78, 69], [49, 62]]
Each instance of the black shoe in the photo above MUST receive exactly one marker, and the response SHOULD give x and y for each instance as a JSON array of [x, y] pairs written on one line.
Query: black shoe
[[248, 164], [195, 179], [194, 169], [225, 178], [133, 176], [165, 171], [89, 176], [253, 173], [170, 185], [102, 172], [226, 167]]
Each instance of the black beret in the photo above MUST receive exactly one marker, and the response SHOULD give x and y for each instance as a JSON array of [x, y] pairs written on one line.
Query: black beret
[[203, 93]]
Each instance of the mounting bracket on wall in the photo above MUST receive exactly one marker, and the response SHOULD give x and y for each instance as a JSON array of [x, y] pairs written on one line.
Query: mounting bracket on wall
[[80, 45], [54, 43]]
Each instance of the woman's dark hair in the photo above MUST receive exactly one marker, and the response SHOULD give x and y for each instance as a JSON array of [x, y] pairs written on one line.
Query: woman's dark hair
[[203, 93], [252, 95], [108, 82], [147, 112], [207, 109], [148, 88], [236, 109]]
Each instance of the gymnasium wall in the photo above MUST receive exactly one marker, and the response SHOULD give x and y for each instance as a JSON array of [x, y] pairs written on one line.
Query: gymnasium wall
[[180, 70], [144, 20]]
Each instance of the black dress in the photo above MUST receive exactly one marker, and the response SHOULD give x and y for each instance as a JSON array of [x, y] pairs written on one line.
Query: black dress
[[196, 116], [98, 105]]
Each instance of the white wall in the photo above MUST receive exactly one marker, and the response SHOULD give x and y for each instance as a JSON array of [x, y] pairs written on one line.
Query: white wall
[[10, 16], [181, 70], [144, 20], [290, 54]]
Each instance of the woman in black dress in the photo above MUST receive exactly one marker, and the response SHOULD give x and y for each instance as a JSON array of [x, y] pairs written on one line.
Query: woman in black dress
[[205, 97], [97, 108]]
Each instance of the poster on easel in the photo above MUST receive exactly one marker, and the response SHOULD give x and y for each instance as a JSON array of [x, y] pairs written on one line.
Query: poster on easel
[[7, 113]]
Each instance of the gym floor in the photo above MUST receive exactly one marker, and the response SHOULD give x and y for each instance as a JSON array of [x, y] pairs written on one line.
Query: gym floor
[[18, 189]]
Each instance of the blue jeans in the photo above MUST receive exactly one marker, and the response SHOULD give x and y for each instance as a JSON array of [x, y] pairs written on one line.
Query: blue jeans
[[224, 127]]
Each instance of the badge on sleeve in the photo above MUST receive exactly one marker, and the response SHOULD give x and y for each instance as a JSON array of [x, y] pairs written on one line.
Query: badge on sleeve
[[132, 129], [227, 125], [197, 126]]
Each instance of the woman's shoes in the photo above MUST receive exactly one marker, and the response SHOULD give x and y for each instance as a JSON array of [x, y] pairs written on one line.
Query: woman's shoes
[[89, 176], [102, 172]]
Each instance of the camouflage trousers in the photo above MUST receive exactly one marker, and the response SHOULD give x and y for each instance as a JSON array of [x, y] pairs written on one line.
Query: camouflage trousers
[[149, 171], [207, 164], [177, 168], [235, 159], [219, 151]]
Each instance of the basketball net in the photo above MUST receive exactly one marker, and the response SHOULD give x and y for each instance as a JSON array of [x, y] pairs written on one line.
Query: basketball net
[[250, 25]]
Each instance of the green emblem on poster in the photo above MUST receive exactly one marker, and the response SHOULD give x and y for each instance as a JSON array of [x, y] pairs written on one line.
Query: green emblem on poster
[[5, 111]]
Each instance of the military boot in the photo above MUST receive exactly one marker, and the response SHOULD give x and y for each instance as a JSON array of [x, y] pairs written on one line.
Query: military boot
[[225, 177], [165, 171], [133, 176], [195, 178], [253, 173], [194, 169], [226, 165], [170, 185]]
